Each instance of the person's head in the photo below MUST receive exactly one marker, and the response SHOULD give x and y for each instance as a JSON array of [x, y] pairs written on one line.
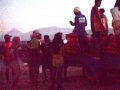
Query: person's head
[[57, 37], [7, 38], [77, 11], [98, 3], [16, 40], [46, 38], [117, 4], [37, 34], [57, 42], [102, 11]]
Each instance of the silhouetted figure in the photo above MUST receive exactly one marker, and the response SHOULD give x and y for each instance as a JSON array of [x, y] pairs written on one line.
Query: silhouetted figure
[[6, 55], [14, 54], [58, 61], [96, 23], [34, 57], [116, 21], [104, 22], [79, 30], [47, 56]]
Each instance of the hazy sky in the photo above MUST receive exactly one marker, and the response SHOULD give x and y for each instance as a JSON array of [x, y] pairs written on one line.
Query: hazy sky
[[27, 15]]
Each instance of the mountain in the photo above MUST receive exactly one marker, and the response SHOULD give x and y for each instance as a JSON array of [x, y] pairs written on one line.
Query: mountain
[[47, 31], [13, 32]]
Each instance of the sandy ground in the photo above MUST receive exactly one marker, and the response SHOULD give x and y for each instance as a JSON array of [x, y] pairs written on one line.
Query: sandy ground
[[75, 81]]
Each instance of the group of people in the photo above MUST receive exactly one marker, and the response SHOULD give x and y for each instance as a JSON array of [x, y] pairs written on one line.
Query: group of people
[[99, 26], [10, 53], [51, 54]]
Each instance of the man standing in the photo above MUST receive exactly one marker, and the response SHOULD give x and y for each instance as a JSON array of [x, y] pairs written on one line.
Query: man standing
[[79, 30], [34, 59], [96, 23]]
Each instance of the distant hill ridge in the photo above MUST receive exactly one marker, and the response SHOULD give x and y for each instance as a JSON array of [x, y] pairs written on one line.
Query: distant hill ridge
[[44, 31], [13, 32]]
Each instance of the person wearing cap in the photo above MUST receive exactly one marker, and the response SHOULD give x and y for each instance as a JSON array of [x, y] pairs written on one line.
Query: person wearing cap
[[80, 23], [6, 55], [96, 23], [104, 22], [34, 56]]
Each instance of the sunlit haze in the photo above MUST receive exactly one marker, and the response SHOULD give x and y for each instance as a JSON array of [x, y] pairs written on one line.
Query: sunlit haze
[[27, 15]]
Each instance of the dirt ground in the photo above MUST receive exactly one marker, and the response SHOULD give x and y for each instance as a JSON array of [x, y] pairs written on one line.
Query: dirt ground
[[75, 81]]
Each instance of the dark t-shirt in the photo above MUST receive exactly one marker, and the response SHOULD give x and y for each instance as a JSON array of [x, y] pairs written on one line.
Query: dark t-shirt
[[45, 47], [47, 56], [80, 23]]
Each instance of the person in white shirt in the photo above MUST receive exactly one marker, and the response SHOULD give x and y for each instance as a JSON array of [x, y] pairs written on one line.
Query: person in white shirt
[[116, 21]]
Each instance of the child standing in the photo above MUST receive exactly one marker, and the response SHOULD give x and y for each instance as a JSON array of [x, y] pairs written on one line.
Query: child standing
[[14, 57], [34, 57], [58, 61], [47, 56], [104, 21], [6, 55]]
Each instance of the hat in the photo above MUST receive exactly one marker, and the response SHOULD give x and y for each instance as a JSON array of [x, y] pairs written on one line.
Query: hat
[[76, 9], [36, 32], [7, 36]]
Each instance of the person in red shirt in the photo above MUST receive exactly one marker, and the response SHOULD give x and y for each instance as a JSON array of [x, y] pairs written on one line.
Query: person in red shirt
[[96, 23], [6, 55]]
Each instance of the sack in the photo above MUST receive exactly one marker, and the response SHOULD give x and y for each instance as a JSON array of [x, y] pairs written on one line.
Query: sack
[[72, 47], [58, 60]]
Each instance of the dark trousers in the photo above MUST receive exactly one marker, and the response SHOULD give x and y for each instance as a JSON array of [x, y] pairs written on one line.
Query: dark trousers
[[57, 71], [83, 44], [97, 34], [33, 71]]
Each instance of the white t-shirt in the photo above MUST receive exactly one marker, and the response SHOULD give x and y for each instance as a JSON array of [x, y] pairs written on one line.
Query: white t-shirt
[[115, 14]]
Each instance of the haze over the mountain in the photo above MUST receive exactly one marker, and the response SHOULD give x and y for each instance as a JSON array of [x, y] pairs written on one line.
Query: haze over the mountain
[[13, 32], [47, 31], [44, 31]]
